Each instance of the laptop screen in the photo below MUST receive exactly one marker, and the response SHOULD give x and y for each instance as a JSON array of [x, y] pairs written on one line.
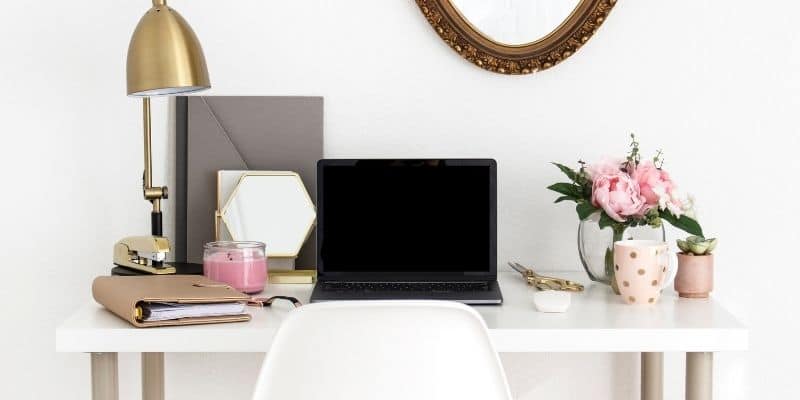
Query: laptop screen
[[392, 218]]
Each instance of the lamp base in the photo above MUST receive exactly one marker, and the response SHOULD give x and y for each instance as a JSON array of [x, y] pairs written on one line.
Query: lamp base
[[181, 268]]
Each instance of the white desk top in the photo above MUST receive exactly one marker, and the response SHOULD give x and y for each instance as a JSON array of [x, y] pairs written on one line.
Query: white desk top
[[597, 321]]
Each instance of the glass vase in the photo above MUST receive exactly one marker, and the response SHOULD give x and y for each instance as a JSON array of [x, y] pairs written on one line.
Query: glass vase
[[596, 246]]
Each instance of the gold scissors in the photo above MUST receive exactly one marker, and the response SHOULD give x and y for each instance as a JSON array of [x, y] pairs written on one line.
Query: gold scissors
[[542, 282]]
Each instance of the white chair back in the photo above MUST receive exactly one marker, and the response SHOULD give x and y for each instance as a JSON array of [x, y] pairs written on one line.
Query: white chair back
[[382, 350]]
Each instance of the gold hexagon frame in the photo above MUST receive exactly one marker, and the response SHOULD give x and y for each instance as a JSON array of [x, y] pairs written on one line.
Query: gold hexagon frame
[[223, 220]]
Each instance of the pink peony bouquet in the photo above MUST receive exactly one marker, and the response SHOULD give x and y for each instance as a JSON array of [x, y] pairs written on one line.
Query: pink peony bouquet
[[628, 192]]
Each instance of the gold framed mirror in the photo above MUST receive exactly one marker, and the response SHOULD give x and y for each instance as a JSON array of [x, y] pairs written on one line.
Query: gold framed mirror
[[515, 36]]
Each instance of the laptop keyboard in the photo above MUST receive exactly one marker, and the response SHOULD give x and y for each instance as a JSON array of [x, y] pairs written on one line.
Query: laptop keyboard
[[406, 286]]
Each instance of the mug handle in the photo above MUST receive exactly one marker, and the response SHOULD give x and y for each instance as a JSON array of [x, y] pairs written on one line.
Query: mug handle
[[672, 269]]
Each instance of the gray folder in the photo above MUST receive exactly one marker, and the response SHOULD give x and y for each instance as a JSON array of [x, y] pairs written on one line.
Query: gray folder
[[241, 133]]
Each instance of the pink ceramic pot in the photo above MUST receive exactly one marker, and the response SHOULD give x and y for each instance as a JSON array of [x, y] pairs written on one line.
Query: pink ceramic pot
[[695, 278]]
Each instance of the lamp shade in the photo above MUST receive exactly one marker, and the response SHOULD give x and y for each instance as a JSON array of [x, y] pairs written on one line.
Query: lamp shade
[[164, 55]]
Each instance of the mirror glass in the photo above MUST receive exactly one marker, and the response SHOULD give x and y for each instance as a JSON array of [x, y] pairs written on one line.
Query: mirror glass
[[515, 22], [271, 207]]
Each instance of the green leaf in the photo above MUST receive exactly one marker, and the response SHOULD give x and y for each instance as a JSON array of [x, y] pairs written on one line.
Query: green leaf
[[569, 172], [585, 209], [562, 198], [654, 222], [683, 223], [712, 245], [606, 221], [587, 191], [695, 239], [699, 248], [567, 189]]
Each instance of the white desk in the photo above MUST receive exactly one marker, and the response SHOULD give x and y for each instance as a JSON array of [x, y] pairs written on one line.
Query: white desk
[[597, 321]]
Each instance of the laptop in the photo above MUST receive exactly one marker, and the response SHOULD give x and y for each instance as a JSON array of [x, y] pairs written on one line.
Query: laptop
[[407, 229]]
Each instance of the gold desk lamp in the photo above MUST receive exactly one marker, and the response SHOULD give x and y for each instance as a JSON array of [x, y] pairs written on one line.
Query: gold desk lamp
[[164, 58]]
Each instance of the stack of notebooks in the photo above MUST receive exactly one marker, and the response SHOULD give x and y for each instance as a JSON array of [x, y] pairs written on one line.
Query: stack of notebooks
[[147, 301]]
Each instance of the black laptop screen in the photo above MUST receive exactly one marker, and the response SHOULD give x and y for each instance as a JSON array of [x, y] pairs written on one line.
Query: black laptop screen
[[389, 216]]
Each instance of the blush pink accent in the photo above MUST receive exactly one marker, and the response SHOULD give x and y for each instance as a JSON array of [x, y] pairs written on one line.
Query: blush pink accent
[[641, 268], [695, 277], [245, 274], [652, 180], [618, 195], [606, 166]]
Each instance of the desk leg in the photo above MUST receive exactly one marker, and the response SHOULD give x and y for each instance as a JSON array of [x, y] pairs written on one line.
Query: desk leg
[[105, 378], [699, 375], [652, 376], [152, 376]]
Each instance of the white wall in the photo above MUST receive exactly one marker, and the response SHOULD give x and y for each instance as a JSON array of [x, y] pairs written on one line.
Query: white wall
[[714, 84]]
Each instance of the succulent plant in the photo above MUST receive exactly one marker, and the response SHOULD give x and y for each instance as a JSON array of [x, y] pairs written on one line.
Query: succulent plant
[[697, 245]]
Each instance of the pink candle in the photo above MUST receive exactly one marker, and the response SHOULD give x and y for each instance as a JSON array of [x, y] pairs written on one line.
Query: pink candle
[[243, 265]]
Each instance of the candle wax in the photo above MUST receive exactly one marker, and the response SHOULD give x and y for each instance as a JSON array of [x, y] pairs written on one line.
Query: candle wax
[[245, 274]]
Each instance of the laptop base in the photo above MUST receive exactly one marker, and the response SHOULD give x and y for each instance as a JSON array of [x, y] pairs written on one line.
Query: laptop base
[[491, 295]]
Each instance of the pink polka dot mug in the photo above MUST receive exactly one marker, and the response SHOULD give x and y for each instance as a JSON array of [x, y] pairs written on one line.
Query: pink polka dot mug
[[642, 270]]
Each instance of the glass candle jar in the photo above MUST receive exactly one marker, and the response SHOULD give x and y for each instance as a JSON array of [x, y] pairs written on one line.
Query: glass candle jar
[[243, 265]]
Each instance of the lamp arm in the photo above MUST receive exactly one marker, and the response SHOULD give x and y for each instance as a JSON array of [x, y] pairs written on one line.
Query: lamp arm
[[151, 193]]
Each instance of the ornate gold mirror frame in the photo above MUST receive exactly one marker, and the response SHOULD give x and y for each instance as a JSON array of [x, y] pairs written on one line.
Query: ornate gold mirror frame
[[539, 55]]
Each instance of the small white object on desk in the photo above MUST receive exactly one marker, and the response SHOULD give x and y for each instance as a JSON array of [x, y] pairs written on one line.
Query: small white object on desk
[[552, 301]]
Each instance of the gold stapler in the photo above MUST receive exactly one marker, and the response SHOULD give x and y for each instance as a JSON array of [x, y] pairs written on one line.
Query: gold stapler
[[143, 253], [542, 282]]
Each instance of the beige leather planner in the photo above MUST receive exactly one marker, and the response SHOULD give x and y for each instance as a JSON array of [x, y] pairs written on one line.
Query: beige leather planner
[[122, 295]]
